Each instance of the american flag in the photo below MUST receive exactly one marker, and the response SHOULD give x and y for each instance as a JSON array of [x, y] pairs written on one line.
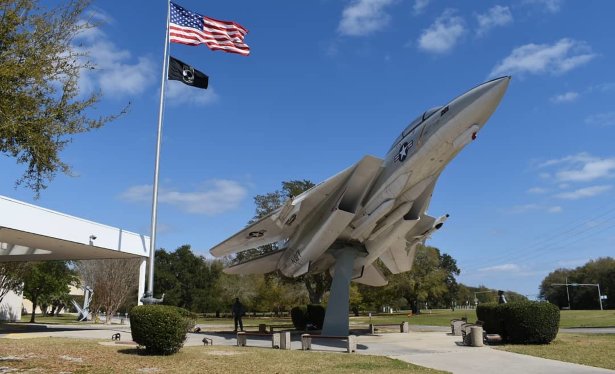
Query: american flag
[[191, 28]]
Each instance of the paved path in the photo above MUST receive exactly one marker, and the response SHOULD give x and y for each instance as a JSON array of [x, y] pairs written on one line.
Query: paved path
[[422, 346]]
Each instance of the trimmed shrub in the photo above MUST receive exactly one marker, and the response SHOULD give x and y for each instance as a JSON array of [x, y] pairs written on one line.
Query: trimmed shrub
[[298, 315], [530, 322], [315, 315], [161, 329], [493, 323], [524, 322]]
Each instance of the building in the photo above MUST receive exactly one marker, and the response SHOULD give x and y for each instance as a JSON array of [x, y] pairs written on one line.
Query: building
[[32, 233]]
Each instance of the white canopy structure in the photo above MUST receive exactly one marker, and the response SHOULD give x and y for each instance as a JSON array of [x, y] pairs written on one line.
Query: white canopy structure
[[32, 233]]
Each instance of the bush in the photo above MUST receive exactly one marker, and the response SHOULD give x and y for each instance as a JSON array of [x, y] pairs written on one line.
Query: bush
[[493, 322], [524, 322], [530, 322], [298, 315], [161, 329], [315, 315]]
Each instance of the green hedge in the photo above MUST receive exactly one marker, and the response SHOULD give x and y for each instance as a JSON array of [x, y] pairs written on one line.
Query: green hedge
[[312, 314], [161, 329], [530, 322], [316, 315], [492, 321], [525, 322], [298, 314]]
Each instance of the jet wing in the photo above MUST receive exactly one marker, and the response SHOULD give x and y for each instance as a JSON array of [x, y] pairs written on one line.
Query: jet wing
[[283, 222]]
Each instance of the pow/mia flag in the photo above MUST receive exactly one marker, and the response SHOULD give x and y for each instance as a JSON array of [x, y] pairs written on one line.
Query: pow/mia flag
[[187, 74]]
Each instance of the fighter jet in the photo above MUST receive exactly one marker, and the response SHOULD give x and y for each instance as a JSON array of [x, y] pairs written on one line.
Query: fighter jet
[[374, 209]]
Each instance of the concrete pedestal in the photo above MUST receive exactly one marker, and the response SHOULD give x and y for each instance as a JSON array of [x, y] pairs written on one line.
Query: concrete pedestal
[[336, 317]]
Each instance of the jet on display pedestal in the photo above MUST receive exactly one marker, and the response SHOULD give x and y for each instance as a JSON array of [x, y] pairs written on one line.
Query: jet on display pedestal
[[374, 209]]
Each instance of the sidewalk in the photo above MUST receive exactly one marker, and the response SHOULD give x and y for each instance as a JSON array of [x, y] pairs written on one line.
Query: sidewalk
[[426, 346]]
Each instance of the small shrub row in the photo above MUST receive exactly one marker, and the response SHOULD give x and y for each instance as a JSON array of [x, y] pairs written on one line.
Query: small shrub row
[[161, 329], [313, 315], [525, 322]]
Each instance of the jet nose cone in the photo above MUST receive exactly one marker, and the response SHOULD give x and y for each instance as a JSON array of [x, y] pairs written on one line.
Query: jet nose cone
[[478, 104]]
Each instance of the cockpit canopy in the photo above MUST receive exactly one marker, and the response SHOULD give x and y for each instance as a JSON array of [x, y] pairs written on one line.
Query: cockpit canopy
[[414, 124]]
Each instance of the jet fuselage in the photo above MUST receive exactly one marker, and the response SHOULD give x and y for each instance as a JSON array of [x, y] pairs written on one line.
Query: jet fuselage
[[390, 211]]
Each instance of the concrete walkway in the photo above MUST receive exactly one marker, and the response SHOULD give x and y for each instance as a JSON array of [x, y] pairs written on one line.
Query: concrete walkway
[[422, 346]]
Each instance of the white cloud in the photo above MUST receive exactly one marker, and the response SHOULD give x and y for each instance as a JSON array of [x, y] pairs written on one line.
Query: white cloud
[[601, 119], [215, 197], [443, 34], [583, 192], [114, 71], [501, 268], [420, 5], [567, 97], [538, 190], [555, 209], [179, 94], [558, 58], [551, 6], [521, 209], [496, 16], [582, 167], [363, 17]]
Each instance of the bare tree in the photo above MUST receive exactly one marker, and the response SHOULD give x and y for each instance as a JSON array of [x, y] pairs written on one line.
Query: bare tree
[[113, 280]]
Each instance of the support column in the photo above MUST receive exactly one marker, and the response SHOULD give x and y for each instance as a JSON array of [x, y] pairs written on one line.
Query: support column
[[141, 281], [336, 317]]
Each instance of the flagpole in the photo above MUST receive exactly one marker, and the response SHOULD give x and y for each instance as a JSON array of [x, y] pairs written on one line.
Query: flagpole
[[148, 297]]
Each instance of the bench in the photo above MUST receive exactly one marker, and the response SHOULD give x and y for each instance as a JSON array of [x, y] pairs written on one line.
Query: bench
[[285, 327], [242, 338], [456, 325], [306, 341], [403, 327]]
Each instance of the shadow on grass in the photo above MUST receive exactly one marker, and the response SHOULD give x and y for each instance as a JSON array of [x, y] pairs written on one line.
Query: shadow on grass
[[134, 352]]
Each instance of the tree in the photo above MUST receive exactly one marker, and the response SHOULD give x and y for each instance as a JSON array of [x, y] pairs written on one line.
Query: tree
[[40, 106], [187, 280], [11, 277], [600, 271], [113, 281], [44, 281]]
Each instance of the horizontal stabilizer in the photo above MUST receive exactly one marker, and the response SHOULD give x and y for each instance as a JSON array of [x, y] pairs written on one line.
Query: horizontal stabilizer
[[371, 276], [259, 265], [399, 257]]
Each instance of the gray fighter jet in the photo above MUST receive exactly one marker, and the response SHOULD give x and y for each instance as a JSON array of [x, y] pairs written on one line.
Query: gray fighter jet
[[374, 209]]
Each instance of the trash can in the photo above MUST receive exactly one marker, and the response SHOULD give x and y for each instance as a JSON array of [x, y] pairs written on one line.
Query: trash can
[[476, 333]]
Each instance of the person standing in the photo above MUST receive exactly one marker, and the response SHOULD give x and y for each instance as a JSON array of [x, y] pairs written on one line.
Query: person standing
[[238, 312]]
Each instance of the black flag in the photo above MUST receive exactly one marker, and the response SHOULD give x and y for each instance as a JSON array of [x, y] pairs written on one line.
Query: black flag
[[185, 73]]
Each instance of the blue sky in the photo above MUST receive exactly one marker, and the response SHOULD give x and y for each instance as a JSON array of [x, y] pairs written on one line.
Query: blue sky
[[332, 80]]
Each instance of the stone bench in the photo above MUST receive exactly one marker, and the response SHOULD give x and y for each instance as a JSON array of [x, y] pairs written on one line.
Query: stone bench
[[351, 346], [456, 326], [278, 341], [403, 327]]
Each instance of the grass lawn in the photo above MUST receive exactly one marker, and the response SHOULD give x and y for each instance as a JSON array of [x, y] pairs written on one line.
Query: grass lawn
[[587, 318], [585, 349], [442, 317], [86, 356], [437, 317], [64, 319], [247, 321]]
